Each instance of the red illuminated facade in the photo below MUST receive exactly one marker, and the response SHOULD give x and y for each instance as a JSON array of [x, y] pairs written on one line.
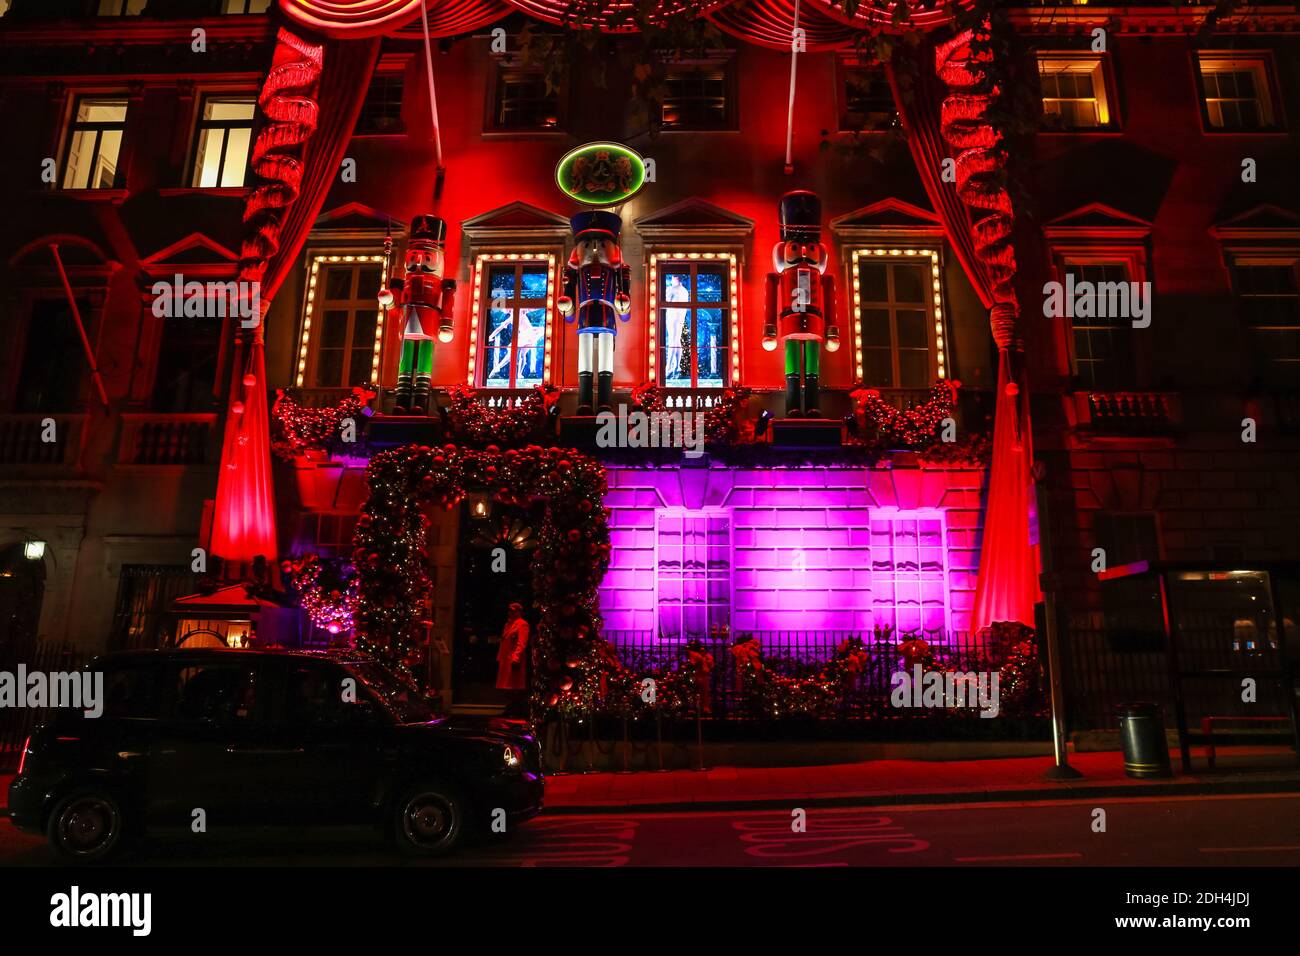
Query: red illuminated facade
[[1163, 157]]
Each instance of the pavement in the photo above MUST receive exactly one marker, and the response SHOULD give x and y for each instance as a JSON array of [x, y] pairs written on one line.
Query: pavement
[[893, 782]]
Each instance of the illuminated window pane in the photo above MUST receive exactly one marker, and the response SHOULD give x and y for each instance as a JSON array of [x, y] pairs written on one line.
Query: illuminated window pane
[[1074, 92], [693, 339], [514, 337], [245, 6], [94, 142], [225, 132], [1235, 92], [898, 337]]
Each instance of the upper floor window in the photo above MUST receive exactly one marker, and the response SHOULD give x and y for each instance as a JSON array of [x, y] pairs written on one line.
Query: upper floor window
[[698, 96], [50, 376], [522, 100], [94, 142], [1102, 337], [1269, 306], [898, 310], [695, 309], [1236, 92], [1074, 91], [381, 111], [513, 301], [866, 100], [225, 132], [122, 8], [692, 574], [245, 6], [343, 328]]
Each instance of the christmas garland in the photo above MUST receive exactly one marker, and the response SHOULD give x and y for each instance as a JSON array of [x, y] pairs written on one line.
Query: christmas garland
[[297, 429], [472, 422], [915, 427], [327, 590], [780, 696], [723, 422]]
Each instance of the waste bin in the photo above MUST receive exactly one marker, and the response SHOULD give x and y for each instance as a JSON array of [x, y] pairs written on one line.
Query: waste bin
[[1142, 735]]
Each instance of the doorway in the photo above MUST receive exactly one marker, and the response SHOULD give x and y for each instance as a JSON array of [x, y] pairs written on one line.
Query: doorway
[[22, 590], [494, 568]]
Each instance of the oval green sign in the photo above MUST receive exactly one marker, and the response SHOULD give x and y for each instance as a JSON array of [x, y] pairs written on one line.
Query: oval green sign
[[600, 174]]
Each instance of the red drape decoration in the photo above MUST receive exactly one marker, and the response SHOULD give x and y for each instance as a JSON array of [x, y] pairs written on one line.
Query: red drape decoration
[[1007, 587], [770, 23], [308, 122]]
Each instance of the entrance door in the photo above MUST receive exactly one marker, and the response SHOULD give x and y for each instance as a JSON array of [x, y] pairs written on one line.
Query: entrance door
[[495, 568]]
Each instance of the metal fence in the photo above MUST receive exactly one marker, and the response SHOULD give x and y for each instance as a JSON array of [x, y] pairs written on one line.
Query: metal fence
[[17, 722], [804, 654]]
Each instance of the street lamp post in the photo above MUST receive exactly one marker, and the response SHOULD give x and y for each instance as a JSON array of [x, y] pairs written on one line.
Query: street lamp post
[[1049, 582]]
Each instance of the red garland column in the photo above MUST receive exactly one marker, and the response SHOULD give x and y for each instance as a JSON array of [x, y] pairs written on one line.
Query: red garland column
[[243, 524], [1007, 588]]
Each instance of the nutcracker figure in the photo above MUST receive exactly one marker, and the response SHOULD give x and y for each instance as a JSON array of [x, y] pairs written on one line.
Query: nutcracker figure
[[596, 283], [800, 306], [426, 299]]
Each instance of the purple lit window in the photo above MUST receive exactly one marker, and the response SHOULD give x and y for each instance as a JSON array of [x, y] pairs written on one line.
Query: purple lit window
[[692, 573], [909, 591]]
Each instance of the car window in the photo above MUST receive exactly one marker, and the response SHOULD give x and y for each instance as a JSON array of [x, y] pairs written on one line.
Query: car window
[[132, 692], [314, 695], [402, 698], [225, 692]]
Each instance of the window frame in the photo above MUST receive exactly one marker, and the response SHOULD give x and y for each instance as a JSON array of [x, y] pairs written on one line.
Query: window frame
[[1261, 257], [483, 264], [502, 66], [478, 316], [73, 126], [390, 67], [225, 126], [682, 514], [726, 62], [1134, 264], [658, 260], [1103, 88], [1262, 63], [245, 12], [917, 515], [937, 337], [309, 356], [846, 66]]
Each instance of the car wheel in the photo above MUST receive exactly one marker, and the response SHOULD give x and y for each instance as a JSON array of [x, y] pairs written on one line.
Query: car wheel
[[86, 826], [429, 819]]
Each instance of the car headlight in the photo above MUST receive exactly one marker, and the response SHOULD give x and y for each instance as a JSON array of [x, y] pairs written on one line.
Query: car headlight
[[513, 756]]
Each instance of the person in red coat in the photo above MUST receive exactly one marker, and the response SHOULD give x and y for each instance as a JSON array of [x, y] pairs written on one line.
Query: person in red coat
[[512, 656]]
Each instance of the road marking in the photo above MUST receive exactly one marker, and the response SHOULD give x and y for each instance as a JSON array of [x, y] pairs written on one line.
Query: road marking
[[1248, 849], [828, 832], [1020, 856]]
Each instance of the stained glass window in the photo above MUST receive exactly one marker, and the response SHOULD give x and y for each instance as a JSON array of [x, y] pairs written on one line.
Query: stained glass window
[[514, 338], [694, 323]]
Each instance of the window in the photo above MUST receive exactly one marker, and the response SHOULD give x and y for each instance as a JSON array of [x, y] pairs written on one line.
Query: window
[[53, 358], [94, 141], [1269, 306], [1131, 605], [693, 315], [697, 96], [245, 6], [522, 101], [909, 586], [122, 8], [381, 112], [330, 535], [692, 574], [132, 692], [1235, 92], [867, 102], [224, 134], [899, 312], [145, 593], [1074, 92], [512, 338], [223, 693], [315, 697], [187, 366], [1103, 344], [343, 327]]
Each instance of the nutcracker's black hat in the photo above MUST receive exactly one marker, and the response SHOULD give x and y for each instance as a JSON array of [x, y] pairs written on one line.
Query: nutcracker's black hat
[[596, 221], [428, 228], [801, 215]]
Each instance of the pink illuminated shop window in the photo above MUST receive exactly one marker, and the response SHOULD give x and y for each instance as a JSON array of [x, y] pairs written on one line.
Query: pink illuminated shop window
[[909, 588], [692, 574]]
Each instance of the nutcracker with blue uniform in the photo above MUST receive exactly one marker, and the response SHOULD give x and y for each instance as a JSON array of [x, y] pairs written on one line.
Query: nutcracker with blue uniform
[[596, 284], [426, 300], [800, 302]]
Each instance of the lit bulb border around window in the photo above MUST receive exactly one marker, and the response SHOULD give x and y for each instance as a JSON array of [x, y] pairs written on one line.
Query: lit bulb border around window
[[475, 317], [937, 299], [313, 276], [733, 270]]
